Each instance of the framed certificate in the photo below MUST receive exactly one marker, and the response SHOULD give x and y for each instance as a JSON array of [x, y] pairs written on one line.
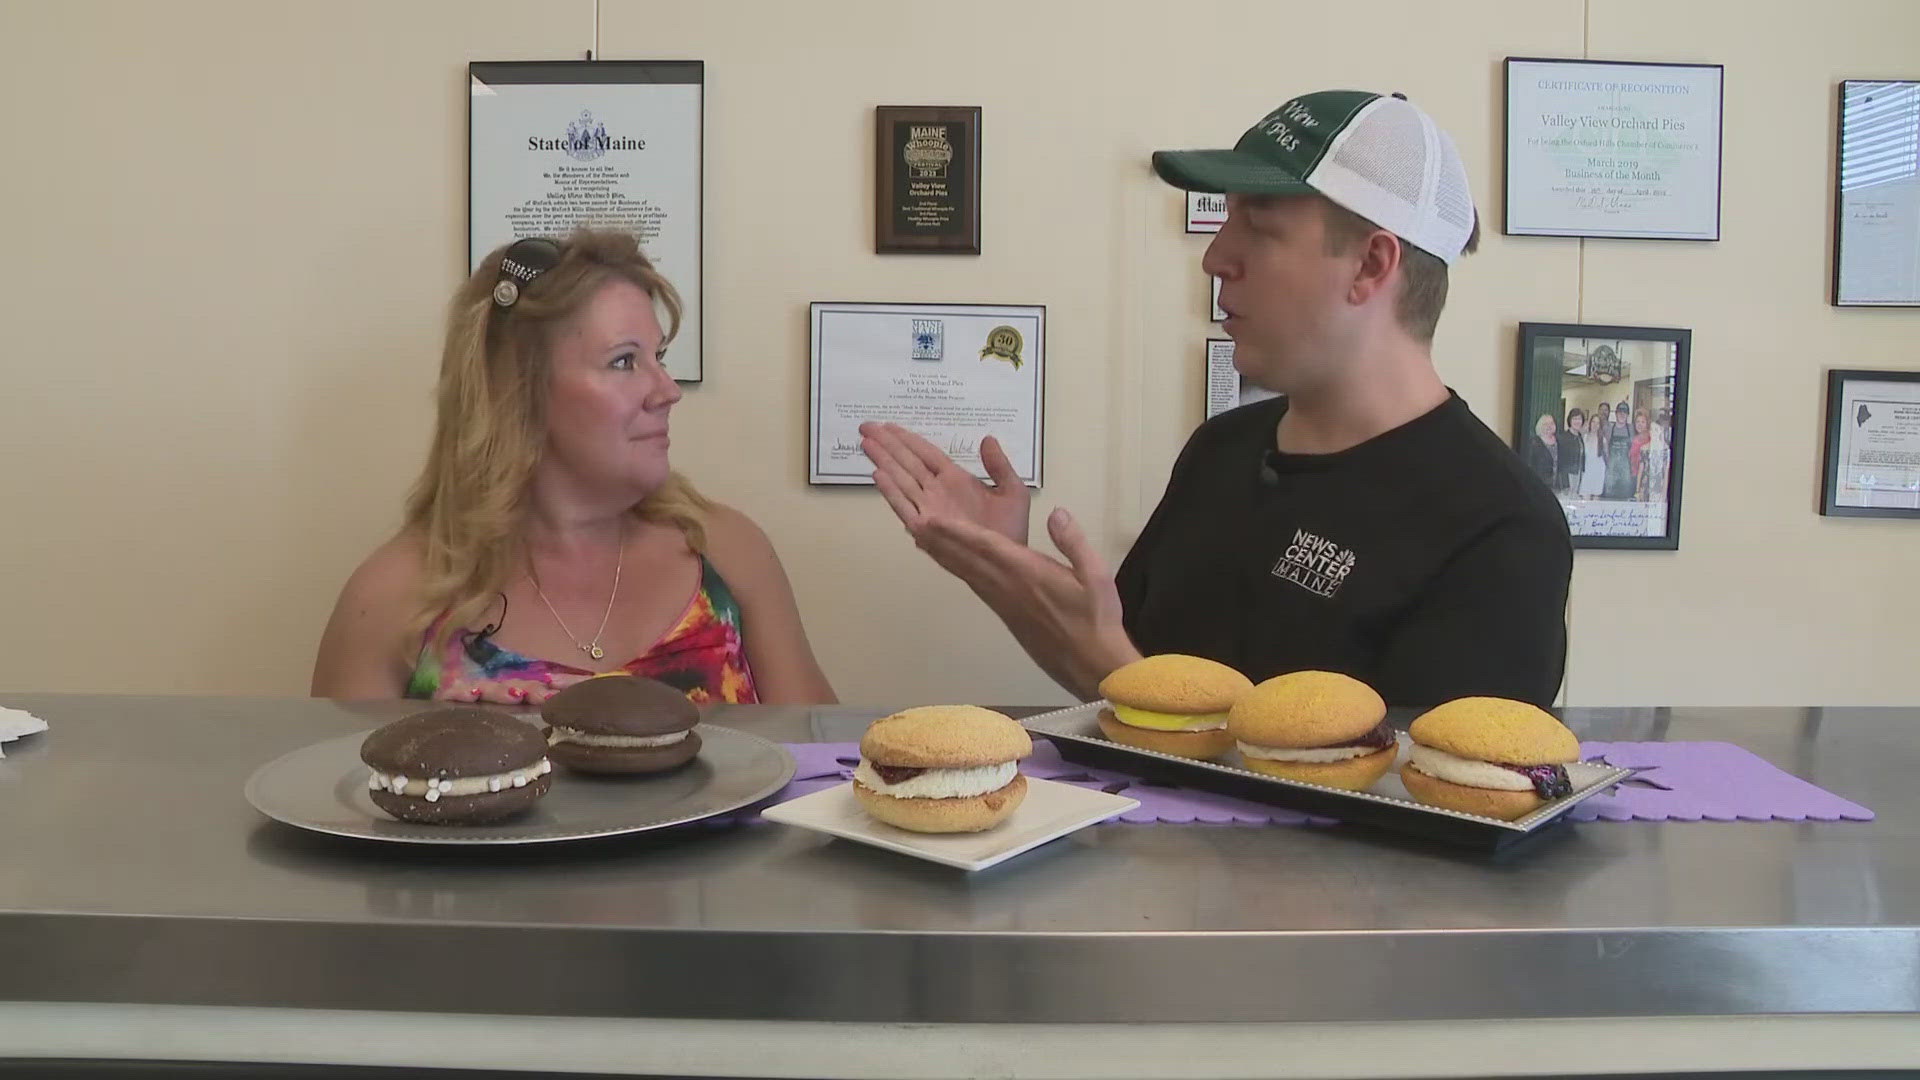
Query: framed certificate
[[1872, 466], [609, 143], [1611, 149], [1876, 202], [953, 373], [1219, 314], [1600, 417], [1226, 388]]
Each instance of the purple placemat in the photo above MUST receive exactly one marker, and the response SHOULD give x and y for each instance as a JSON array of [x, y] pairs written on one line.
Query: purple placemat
[[1706, 781], [1678, 781]]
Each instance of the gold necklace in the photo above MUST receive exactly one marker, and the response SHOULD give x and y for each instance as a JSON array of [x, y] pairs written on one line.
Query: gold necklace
[[591, 648]]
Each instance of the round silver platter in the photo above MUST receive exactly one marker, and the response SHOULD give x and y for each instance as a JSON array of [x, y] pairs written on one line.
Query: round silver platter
[[323, 788]]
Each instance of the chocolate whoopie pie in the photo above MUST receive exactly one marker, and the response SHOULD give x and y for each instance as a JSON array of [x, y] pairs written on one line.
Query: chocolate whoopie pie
[[621, 724], [456, 766]]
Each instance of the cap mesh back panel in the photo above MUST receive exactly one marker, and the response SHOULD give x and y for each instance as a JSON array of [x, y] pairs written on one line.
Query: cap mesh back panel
[[1388, 147]]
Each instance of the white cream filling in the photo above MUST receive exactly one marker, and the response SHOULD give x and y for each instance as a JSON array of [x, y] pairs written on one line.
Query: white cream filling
[[1468, 772], [433, 789], [572, 735], [1311, 753], [941, 783]]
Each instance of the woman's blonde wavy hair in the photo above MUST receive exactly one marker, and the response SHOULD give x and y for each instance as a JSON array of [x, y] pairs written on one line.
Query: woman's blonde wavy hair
[[470, 502]]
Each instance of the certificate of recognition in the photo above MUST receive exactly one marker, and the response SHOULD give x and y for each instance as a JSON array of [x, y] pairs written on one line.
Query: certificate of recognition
[[952, 373], [1873, 444], [1600, 148], [612, 144]]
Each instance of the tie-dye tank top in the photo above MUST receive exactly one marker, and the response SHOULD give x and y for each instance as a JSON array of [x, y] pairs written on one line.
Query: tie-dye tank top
[[703, 655]]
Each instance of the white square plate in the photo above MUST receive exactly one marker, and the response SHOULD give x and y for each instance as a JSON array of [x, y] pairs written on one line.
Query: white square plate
[[1050, 810]]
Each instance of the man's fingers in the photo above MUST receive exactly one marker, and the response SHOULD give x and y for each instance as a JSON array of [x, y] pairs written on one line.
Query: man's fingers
[[999, 467], [928, 455], [902, 504], [1072, 541], [889, 453]]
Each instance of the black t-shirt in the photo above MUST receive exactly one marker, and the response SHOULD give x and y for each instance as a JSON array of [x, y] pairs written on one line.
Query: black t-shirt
[[1428, 562]]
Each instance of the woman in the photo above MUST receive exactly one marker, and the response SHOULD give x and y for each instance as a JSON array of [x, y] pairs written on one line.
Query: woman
[[1572, 459], [547, 539], [1542, 452], [1659, 456], [1637, 455], [1593, 476]]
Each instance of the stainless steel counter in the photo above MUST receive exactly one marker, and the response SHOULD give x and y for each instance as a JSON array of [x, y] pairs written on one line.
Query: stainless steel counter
[[134, 872]]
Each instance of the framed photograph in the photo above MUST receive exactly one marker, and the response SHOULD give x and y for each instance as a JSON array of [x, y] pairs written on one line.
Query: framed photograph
[[1607, 148], [1226, 388], [1600, 416], [926, 180], [1872, 460], [1206, 212], [953, 373], [1876, 195], [610, 143]]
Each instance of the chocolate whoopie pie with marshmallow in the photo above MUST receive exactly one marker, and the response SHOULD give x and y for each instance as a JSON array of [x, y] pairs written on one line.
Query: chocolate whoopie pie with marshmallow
[[621, 724], [456, 765]]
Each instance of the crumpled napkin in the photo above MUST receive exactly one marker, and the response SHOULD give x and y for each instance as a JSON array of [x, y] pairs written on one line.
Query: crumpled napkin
[[16, 722]]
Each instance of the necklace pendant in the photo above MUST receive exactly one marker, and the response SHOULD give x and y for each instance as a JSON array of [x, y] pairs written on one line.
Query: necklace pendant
[[596, 652]]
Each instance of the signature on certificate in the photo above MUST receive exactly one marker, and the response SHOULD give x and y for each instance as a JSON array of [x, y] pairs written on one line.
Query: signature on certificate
[[958, 447]]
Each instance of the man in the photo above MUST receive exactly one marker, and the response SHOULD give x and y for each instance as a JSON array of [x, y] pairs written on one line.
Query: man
[[1363, 522]]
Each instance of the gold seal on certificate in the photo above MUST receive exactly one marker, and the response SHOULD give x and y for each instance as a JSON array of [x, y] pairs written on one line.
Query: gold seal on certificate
[[1003, 343]]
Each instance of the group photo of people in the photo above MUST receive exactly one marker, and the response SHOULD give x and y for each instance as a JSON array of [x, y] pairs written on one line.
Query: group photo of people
[[1600, 426]]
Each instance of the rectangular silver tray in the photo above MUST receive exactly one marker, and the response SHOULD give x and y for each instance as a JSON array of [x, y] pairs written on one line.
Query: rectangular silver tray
[[1076, 733]]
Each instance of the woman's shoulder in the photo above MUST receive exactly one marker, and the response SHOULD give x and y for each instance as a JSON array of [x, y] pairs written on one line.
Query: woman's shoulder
[[731, 530], [391, 574]]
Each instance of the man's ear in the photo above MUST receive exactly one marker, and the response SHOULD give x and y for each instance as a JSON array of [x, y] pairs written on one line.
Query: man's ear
[[1380, 257]]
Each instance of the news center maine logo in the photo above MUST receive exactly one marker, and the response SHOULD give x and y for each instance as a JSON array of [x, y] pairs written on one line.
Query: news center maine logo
[[586, 140], [1315, 563], [929, 339]]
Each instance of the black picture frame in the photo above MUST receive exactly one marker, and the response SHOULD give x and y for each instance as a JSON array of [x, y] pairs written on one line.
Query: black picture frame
[[942, 215], [1830, 458], [1602, 508], [1506, 150], [1863, 117], [588, 73]]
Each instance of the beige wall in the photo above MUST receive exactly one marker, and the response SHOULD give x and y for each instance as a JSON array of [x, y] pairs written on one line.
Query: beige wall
[[233, 225]]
